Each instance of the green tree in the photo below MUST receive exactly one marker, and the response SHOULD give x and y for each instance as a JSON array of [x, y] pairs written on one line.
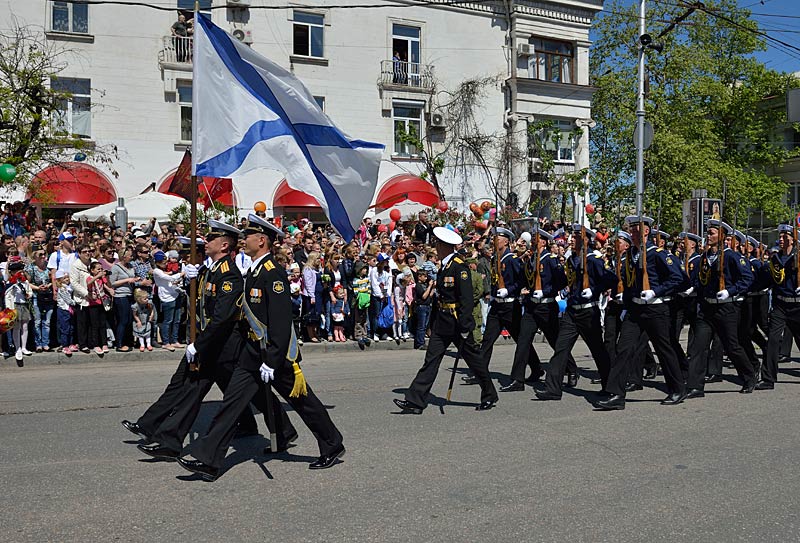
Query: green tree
[[716, 111], [31, 134]]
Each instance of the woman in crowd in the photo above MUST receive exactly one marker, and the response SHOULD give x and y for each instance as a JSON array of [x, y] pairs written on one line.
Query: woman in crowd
[[168, 293], [98, 302], [122, 280], [43, 300], [312, 299]]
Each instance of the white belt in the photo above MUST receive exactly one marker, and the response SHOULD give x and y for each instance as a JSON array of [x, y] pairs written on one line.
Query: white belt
[[792, 300], [584, 306], [757, 293], [653, 301], [717, 301], [541, 300], [503, 300]]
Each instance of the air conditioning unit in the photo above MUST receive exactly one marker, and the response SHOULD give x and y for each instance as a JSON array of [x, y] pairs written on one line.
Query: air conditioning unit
[[244, 35], [535, 164], [437, 120], [238, 3], [525, 49]]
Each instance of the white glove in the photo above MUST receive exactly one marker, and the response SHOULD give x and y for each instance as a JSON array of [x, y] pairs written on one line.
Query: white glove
[[190, 353], [464, 335], [618, 297], [191, 271], [648, 295], [267, 373], [586, 293], [688, 291], [538, 294], [723, 295], [502, 292], [797, 291]]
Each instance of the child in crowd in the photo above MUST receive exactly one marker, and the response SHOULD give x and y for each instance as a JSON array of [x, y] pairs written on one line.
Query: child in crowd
[[65, 306], [18, 297], [99, 298], [361, 303], [339, 310], [399, 304], [297, 309], [143, 317]]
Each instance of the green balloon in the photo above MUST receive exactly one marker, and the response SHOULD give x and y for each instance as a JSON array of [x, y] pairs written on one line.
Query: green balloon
[[7, 173]]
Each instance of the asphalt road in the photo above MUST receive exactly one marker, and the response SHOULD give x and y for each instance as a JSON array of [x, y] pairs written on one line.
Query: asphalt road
[[722, 468]]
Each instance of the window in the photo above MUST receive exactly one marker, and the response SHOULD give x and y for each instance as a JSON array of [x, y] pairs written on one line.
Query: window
[[185, 103], [407, 117], [551, 61], [187, 7], [73, 114], [558, 141], [308, 29], [69, 17], [320, 100], [406, 54], [793, 195]]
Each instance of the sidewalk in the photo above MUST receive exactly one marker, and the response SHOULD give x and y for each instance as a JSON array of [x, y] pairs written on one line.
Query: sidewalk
[[53, 358]]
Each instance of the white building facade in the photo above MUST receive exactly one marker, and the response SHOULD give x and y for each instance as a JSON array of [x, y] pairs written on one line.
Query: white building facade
[[373, 70]]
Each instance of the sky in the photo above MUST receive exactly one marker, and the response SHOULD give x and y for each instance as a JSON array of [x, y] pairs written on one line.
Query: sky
[[785, 28]]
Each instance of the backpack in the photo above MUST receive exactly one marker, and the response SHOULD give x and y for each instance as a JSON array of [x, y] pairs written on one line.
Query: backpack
[[386, 316]]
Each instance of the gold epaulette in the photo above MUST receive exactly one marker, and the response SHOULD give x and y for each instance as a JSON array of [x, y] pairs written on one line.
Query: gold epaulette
[[224, 268], [269, 266], [659, 249], [458, 260]]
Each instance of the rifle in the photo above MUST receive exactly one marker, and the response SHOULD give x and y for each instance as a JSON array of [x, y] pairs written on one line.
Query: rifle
[[734, 239], [658, 232], [537, 282], [796, 249], [721, 237], [500, 282], [620, 286], [584, 254], [643, 249]]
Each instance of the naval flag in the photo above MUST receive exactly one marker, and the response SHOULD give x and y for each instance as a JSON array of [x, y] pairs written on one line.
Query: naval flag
[[250, 113]]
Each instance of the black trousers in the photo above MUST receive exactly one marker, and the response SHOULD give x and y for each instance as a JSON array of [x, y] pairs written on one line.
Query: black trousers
[[760, 319], [655, 320], [172, 432], [722, 319], [786, 343], [536, 317], [574, 323], [243, 387], [417, 393], [746, 328], [713, 356], [174, 394], [508, 316], [612, 324], [784, 321]]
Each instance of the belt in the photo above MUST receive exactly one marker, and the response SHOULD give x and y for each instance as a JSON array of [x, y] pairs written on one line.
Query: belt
[[653, 301], [584, 306], [791, 300], [757, 293], [716, 301], [541, 300], [503, 300]]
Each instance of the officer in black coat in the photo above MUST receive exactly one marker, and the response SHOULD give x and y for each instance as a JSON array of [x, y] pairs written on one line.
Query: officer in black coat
[[719, 309], [540, 308], [452, 324], [647, 311], [270, 356], [582, 316], [167, 421]]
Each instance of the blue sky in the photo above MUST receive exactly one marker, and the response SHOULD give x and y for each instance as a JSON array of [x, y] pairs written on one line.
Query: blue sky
[[785, 28]]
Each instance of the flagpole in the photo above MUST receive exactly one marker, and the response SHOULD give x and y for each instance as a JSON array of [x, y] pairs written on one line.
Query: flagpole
[[193, 226]]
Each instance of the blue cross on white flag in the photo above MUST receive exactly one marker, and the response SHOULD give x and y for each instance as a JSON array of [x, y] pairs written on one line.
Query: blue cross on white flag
[[250, 113]]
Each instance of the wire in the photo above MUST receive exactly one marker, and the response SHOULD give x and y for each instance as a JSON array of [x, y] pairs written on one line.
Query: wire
[[173, 8]]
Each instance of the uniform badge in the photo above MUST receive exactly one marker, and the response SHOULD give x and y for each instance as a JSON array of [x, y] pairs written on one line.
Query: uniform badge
[[669, 261], [277, 287], [255, 293], [743, 262], [464, 275], [227, 287], [449, 281]]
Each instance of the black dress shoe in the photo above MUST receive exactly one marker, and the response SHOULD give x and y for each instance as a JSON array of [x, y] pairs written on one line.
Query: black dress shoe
[[485, 406], [748, 388], [784, 359], [633, 387], [156, 450], [470, 380], [546, 395], [713, 379], [134, 428], [674, 399], [614, 403], [695, 393], [282, 447], [408, 407], [572, 380], [327, 460], [596, 381], [763, 385], [205, 471], [651, 373], [513, 386]]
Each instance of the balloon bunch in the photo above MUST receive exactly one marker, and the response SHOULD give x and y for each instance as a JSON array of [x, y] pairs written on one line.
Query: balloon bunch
[[7, 173], [483, 212]]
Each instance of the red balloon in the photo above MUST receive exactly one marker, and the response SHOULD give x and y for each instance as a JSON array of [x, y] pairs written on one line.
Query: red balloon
[[394, 214], [589, 208], [392, 225], [259, 206], [442, 206]]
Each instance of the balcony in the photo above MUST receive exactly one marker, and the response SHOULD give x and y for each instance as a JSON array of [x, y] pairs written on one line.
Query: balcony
[[176, 52], [400, 75]]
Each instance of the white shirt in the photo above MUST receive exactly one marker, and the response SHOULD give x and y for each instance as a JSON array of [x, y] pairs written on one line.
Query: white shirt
[[377, 279], [254, 265], [243, 262], [167, 284], [60, 261]]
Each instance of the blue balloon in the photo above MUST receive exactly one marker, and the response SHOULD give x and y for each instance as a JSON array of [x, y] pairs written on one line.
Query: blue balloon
[[80, 157], [562, 306]]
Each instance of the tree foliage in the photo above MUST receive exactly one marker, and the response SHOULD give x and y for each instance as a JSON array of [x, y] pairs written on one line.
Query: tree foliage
[[30, 135], [717, 112]]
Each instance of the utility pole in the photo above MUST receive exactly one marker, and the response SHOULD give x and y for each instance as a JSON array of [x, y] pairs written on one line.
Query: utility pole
[[640, 114]]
